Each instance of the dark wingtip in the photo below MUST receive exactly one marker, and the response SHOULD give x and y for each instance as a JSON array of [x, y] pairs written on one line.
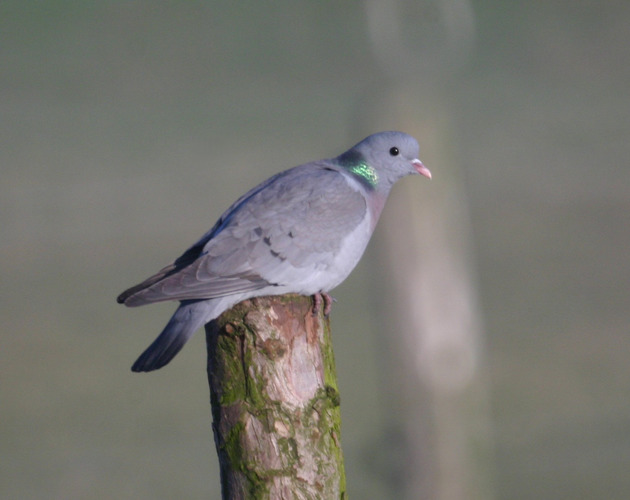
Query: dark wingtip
[[122, 298], [130, 297]]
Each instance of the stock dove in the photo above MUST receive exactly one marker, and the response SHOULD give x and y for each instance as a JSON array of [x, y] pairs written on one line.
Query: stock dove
[[301, 231]]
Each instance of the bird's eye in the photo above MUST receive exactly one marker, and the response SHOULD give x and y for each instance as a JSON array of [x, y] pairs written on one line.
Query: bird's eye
[[394, 151]]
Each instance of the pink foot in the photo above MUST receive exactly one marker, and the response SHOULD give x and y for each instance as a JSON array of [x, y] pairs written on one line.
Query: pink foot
[[317, 302]]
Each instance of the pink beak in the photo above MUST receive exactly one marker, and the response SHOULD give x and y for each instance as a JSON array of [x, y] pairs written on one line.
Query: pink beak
[[421, 169]]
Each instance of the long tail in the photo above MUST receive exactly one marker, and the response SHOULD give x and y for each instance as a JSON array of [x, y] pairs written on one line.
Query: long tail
[[186, 320]]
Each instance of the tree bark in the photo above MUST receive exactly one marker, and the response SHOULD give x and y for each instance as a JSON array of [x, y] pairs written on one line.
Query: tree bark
[[275, 401]]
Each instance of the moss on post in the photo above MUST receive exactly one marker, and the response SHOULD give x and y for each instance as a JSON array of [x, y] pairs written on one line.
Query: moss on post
[[275, 401]]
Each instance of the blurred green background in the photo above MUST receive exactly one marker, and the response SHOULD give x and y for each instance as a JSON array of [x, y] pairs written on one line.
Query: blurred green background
[[128, 127]]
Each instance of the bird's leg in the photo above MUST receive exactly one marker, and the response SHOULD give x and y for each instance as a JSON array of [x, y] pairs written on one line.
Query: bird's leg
[[317, 302], [328, 302]]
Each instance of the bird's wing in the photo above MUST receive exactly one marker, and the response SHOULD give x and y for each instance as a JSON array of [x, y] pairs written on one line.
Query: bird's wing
[[290, 226]]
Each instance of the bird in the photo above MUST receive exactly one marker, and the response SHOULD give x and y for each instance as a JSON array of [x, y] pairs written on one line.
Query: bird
[[301, 231]]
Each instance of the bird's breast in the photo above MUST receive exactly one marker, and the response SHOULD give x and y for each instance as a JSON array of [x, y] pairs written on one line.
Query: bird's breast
[[328, 276]]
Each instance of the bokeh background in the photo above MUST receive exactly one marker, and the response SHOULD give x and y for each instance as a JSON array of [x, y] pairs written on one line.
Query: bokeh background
[[128, 127]]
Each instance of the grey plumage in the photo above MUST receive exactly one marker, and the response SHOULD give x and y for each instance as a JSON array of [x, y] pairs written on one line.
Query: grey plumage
[[301, 231]]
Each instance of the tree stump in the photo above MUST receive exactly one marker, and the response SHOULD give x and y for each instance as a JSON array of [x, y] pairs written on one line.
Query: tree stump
[[275, 401]]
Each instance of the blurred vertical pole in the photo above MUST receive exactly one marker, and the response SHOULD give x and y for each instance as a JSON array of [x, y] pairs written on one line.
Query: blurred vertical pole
[[435, 326]]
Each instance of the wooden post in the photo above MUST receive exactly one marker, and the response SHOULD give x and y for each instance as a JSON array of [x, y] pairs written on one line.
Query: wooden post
[[275, 401]]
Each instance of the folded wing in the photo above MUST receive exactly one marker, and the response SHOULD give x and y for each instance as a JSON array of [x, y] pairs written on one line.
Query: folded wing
[[279, 233]]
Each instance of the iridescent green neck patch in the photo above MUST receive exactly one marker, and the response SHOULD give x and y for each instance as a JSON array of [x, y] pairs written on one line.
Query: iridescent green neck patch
[[355, 163]]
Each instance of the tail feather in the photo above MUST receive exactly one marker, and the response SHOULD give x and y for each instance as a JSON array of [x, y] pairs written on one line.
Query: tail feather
[[186, 320]]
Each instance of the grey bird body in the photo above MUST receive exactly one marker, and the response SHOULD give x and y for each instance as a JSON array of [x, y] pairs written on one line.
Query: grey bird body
[[300, 231]]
